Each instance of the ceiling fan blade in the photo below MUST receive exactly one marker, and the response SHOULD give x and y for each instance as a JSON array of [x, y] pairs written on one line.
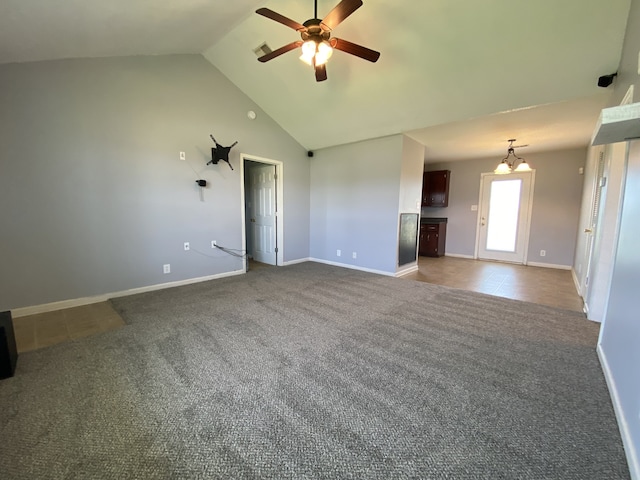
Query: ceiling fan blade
[[340, 12], [355, 49], [280, 51], [265, 12], [321, 73]]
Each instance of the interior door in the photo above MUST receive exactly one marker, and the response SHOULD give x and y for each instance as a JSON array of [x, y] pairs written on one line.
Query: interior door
[[505, 216], [263, 213]]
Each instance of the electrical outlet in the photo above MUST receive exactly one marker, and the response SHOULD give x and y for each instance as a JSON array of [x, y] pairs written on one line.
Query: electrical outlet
[[354, 255], [183, 156], [338, 252], [186, 246], [166, 268], [213, 244], [474, 208], [543, 253]]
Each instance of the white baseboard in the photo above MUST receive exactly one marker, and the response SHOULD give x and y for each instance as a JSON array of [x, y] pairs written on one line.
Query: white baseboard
[[549, 265], [407, 271], [630, 449], [78, 302], [352, 267], [576, 282], [294, 262], [459, 255]]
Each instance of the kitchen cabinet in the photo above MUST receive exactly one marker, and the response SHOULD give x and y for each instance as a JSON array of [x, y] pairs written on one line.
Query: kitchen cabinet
[[435, 188], [433, 236]]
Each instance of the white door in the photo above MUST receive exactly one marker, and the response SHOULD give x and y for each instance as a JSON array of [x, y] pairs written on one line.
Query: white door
[[263, 213], [505, 215]]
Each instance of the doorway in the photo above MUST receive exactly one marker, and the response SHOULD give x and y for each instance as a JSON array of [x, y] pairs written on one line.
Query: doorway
[[262, 195], [504, 217]]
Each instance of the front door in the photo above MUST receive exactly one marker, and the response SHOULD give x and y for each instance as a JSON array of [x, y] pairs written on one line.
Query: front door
[[263, 213], [505, 216]]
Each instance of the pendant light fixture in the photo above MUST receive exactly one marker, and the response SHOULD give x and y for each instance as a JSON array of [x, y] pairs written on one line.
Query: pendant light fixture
[[509, 162]]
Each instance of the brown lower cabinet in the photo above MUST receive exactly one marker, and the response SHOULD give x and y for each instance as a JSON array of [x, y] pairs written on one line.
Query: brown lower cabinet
[[433, 236]]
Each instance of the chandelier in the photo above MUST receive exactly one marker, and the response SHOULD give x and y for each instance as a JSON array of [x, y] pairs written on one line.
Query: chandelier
[[509, 162]]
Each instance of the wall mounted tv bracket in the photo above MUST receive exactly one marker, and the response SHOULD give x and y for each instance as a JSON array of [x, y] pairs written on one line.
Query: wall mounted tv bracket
[[220, 153]]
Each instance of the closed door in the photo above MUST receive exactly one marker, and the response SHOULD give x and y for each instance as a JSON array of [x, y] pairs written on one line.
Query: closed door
[[505, 215], [263, 214]]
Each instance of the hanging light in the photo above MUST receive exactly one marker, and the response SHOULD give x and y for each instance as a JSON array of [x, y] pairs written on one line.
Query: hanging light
[[316, 52], [506, 166]]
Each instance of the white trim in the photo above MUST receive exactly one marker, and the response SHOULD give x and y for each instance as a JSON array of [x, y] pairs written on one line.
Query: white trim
[[294, 262], [549, 265], [78, 302], [279, 202], [352, 267], [576, 281], [407, 271], [459, 255], [627, 440], [616, 233], [628, 97]]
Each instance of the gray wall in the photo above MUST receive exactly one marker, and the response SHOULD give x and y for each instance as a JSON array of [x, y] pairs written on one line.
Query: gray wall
[[354, 203], [94, 198], [620, 333], [555, 211]]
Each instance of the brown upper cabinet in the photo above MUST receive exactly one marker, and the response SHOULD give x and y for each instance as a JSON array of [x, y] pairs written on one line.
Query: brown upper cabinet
[[435, 188]]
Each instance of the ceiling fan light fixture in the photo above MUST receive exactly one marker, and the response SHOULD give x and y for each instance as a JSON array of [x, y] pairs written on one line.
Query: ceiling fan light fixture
[[316, 41], [316, 52]]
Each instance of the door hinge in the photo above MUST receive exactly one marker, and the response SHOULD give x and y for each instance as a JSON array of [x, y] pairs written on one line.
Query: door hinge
[[276, 249]]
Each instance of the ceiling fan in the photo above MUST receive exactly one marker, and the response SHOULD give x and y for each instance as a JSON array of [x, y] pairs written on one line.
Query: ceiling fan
[[317, 44]]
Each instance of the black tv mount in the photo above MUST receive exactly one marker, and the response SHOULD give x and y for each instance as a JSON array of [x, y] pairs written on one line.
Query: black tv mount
[[220, 153]]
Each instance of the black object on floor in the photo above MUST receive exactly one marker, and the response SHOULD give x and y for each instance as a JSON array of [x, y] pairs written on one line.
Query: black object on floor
[[8, 350]]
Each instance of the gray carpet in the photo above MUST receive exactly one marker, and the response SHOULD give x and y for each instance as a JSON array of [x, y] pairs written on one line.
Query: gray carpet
[[316, 372]]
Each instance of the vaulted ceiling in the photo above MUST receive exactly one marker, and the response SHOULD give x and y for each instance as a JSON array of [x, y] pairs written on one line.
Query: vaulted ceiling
[[461, 77]]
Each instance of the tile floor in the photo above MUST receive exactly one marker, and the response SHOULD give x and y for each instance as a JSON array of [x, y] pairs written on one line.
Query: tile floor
[[44, 329], [546, 286], [533, 284]]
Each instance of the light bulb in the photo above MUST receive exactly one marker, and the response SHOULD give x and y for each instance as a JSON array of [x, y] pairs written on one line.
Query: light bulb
[[308, 52], [502, 169], [324, 53]]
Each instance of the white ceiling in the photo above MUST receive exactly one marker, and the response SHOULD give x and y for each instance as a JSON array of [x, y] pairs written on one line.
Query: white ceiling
[[447, 67]]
